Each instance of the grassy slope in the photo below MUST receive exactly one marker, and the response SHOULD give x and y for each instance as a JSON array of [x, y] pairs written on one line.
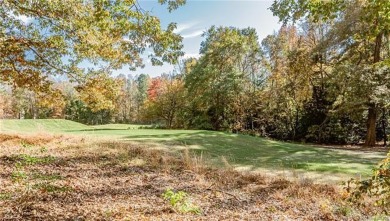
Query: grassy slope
[[243, 152], [42, 125]]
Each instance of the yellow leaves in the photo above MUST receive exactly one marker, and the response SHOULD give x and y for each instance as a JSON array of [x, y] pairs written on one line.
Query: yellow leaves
[[80, 31], [129, 2], [100, 92], [51, 99], [165, 98], [345, 194]]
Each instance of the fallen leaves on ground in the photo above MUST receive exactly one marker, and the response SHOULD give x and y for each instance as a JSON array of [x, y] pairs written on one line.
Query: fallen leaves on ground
[[69, 178]]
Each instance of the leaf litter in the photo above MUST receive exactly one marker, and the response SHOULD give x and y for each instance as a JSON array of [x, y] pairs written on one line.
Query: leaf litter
[[96, 180]]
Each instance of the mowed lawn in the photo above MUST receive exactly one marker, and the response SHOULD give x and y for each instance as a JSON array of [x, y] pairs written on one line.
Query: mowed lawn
[[241, 151]]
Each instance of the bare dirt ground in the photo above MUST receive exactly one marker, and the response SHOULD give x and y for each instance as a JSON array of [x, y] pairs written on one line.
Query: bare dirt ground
[[66, 178]]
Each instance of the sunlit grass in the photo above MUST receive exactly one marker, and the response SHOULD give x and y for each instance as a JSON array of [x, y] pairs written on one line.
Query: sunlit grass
[[242, 151]]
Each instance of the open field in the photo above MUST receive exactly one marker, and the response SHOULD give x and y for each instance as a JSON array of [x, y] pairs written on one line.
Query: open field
[[60, 177], [241, 151]]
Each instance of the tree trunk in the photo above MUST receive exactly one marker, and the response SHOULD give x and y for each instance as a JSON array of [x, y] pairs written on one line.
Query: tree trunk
[[384, 125], [372, 111], [371, 126]]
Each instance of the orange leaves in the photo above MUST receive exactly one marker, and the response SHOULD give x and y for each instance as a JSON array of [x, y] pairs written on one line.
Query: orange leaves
[[154, 88], [165, 98], [100, 92]]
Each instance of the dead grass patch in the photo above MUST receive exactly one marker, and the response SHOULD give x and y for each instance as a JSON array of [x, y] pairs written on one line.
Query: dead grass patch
[[13, 139]]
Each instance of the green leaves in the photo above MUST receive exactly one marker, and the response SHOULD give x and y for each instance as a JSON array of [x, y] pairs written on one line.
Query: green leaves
[[227, 69], [172, 4], [315, 10], [180, 202], [377, 187], [113, 33], [355, 43]]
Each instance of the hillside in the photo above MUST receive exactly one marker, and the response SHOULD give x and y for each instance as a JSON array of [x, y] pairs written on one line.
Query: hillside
[[40, 125]]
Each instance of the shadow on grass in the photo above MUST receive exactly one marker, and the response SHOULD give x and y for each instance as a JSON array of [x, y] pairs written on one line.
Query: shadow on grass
[[256, 153], [97, 129]]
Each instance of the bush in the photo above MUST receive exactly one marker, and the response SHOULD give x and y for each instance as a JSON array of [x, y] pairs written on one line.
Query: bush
[[180, 202], [377, 187]]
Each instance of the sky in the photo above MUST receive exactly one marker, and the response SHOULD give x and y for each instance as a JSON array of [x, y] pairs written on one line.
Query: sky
[[196, 16]]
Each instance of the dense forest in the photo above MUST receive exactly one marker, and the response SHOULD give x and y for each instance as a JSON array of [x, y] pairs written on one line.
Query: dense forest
[[324, 77]]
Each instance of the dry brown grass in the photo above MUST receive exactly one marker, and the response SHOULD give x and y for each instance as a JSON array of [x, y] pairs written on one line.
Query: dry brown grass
[[71, 178], [13, 139]]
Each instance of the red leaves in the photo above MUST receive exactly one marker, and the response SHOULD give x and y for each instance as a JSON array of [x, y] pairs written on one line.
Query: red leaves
[[154, 88]]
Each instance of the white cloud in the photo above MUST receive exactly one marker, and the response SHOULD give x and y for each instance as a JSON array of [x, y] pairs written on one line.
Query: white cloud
[[184, 26], [191, 55], [24, 19], [193, 34], [188, 29], [127, 39]]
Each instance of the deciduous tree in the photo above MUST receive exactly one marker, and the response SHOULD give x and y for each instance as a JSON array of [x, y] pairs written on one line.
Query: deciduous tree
[[360, 29], [40, 39]]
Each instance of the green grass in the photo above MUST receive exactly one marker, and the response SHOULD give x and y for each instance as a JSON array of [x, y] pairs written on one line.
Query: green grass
[[24, 160], [242, 151], [255, 153], [42, 125]]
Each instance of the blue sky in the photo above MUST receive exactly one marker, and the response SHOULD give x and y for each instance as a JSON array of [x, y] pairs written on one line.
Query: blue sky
[[198, 15]]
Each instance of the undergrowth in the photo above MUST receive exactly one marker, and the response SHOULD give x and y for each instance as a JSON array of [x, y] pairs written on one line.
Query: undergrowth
[[376, 188]]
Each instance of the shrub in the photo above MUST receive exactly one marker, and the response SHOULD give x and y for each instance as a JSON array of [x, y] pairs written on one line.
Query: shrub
[[180, 202], [377, 187]]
